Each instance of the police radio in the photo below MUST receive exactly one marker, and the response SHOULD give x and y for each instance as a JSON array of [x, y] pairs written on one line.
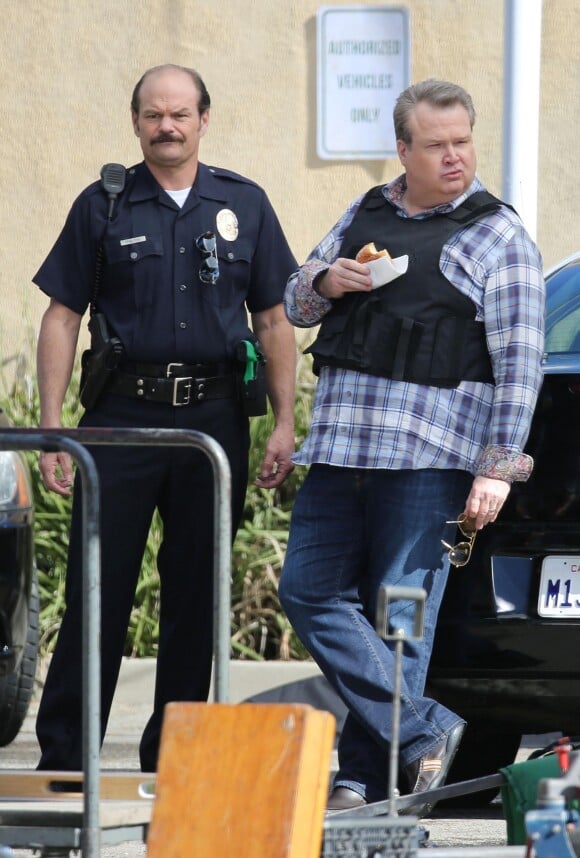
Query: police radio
[[113, 183], [106, 351]]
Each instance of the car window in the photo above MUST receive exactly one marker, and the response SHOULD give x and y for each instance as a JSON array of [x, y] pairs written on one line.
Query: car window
[[563, 311]]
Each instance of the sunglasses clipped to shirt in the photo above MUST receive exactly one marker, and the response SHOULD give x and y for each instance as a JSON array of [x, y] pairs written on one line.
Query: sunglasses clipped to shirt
[[460, 554], [209, 270]]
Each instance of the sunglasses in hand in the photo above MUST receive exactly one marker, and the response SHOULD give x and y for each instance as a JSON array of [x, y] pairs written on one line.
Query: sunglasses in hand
[[460, 554]]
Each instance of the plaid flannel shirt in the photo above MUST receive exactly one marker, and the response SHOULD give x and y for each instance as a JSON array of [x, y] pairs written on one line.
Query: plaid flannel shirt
[[363, 421]]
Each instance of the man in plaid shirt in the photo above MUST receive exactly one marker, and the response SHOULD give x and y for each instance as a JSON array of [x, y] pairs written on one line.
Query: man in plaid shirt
[[426, 391]]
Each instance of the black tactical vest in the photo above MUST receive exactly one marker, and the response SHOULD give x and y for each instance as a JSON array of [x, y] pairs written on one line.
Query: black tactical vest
[[419, 327]]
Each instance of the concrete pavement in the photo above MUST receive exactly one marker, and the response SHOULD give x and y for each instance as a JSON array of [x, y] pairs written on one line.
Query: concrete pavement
[[131, 709], [133, 702]]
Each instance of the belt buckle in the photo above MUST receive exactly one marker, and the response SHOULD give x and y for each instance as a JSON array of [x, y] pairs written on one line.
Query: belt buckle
[[178, 397], [181, 395]]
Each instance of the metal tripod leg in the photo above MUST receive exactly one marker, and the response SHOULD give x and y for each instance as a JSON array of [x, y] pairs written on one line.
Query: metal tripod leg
[[386, 597]]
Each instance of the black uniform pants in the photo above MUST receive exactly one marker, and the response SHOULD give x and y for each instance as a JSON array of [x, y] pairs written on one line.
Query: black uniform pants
[[134, 481]]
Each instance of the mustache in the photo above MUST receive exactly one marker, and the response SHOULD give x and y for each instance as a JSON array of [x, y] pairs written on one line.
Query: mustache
[[167, 138]]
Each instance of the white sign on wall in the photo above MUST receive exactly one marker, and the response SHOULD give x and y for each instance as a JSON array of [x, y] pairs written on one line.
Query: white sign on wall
[[363, 63]]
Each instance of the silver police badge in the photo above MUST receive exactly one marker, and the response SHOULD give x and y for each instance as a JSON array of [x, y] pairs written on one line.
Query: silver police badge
[[227, 224]]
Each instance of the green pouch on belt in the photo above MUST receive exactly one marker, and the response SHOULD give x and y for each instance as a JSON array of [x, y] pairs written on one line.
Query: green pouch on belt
[[252, 379]]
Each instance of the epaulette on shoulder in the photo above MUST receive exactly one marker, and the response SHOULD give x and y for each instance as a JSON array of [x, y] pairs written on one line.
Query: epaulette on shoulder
[[222, 173]]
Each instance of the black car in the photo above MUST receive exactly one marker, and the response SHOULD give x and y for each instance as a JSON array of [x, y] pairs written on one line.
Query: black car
[[507, 655], [18, 592]]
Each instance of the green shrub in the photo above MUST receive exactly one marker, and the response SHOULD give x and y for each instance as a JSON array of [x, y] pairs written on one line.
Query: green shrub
[[259, 628]]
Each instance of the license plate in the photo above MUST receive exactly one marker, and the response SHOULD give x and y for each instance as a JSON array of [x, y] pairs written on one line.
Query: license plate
[[560, 587]]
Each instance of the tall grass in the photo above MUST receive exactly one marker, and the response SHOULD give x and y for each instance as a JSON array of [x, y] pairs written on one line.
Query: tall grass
[[259, 628]]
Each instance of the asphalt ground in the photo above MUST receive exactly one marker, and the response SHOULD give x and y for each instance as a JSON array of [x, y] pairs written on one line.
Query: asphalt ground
[[456, 829]]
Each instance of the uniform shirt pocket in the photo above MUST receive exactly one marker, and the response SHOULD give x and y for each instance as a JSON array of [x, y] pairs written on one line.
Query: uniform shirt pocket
[[135, 263], [235, 266], [132, 249]]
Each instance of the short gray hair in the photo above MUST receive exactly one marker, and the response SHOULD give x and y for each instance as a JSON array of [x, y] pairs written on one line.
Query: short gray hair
[[437, 93]]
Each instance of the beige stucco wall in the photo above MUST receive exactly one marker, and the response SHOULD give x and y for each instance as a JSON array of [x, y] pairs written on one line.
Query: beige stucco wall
[[67, 69]]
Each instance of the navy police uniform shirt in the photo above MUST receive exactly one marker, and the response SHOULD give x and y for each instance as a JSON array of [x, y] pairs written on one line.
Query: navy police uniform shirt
[[150, 290]]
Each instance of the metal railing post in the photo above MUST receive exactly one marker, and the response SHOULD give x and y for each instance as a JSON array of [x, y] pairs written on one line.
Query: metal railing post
[[72, 441], [18, 439]]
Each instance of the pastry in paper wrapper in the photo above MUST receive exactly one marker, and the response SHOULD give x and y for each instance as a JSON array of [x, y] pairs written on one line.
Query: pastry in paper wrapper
[[384, 270]]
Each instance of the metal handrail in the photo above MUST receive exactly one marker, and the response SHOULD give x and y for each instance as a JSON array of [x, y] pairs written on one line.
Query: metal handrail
[[72, 441]]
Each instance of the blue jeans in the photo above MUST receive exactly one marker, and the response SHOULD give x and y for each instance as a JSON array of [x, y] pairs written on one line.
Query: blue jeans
[[352, 531]]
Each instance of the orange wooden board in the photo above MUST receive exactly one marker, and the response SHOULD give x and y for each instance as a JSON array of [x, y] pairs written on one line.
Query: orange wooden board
[[241, 780]]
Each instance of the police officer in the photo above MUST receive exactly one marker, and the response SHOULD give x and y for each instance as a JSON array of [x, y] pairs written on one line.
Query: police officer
[[170, 265]]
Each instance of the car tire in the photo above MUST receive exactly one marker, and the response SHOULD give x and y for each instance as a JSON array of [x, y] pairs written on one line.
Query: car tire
[[16, 688], [482, 751]]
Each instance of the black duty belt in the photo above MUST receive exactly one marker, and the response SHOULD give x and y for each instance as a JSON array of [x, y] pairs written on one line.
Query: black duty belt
[[177, 389], [174, 370]]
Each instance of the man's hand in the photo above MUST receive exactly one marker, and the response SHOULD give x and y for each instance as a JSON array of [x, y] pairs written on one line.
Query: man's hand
[[485, 500], [344, 275], [56, 470], [56, 349], [277, 338], [276, 464]]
